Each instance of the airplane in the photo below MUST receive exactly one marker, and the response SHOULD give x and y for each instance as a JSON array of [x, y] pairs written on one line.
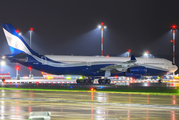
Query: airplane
[[88, 66]]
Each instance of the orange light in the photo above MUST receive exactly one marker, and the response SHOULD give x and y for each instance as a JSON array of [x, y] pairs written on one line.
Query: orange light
[[92, 89], [107, 56], [42, 73], [147, 51], [115, 76], [171, 40]]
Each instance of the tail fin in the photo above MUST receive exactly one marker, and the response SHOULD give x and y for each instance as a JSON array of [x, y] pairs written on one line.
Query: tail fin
[[133, 58], [16, 43]]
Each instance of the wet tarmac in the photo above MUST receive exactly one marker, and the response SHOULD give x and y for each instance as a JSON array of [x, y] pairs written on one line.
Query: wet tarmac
[[17, 104]]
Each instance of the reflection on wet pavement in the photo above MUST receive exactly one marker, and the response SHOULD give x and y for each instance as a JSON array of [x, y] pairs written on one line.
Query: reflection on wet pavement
[[88, 105]]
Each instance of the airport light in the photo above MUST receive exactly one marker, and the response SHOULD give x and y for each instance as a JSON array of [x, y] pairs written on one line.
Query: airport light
[[173, 29], [3, 57], [2, 64], [102, 27], [17, 31], [17, 69], [30, 75], [146, 54], [31, 30], [20, 33], [174, 26], [128, 53]]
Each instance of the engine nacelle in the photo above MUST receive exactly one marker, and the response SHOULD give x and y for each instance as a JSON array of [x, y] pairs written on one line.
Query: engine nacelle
[[137, 70]]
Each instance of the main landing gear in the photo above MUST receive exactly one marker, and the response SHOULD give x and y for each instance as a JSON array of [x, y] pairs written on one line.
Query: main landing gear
[[104, 81], [84, 81]]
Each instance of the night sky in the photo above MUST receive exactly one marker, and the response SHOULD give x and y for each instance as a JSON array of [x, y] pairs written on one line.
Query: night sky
[[67, 27]]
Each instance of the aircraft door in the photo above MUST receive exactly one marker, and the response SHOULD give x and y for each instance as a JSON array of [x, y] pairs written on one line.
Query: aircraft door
[[88, 62]]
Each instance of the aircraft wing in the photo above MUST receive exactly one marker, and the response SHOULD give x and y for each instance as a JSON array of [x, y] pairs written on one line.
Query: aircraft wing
[[122, 67]]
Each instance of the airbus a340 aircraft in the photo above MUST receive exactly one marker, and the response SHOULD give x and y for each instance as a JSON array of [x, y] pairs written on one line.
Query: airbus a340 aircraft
[[89, 66]]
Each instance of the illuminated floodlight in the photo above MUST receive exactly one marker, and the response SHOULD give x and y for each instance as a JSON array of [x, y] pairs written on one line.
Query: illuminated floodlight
[[99, 26], [20, 33], [68, 78], [3, 57], [105, 26], [3, 63], [145, 54]]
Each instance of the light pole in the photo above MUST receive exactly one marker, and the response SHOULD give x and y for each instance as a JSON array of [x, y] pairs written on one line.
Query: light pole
[[2, 64], [102, 27], [17, 69], [173, 28], [128, 53], [30, 75], [31, 30], [146, 54]]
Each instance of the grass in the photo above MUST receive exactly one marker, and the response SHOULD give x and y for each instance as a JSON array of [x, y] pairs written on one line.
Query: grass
[[155, 91]]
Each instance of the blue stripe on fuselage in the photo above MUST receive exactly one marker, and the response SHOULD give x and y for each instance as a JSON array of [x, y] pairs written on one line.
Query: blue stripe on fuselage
[[79, 70]]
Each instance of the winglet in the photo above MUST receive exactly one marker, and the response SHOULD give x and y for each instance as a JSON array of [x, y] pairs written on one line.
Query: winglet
[[133, 58]]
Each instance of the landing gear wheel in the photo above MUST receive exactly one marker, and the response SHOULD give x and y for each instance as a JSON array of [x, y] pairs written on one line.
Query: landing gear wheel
[[90, 81], [160, 81], [99, 81], [108, 81], [103, 81], [77, 81], [85, 81]]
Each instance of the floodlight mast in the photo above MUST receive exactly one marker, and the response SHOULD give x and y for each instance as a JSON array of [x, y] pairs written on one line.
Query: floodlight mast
[[173, 28], [128, 53], [102, 27], [31, 30]]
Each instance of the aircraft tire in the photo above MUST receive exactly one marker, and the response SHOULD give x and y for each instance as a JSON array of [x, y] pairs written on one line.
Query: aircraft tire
[[103, 81], [91, 81], [85, 81], [160, 81], [99, 81], [108, 81], [77, 81]]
